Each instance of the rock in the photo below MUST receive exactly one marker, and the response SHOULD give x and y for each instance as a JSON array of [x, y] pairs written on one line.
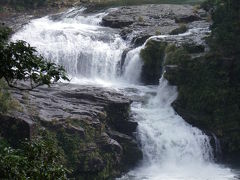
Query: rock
[[126, 127], [115, 22], [80, 117], [141, 39], [137, 23], [187, 18], [124, 55], [171, 74], [202, 13], [131, 153], [160, 51], [153, 57], [194, 48], [181, 29], [74, 130], [17, 126], [108, 144]]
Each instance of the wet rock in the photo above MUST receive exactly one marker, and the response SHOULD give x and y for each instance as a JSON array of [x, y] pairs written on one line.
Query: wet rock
[[137, 23], [138, 41], [131, 153], [114, 22], [181, 29], [153, 57], [161, 51]]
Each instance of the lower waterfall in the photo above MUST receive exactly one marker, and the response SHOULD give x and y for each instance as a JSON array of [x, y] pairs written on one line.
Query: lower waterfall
[[173, 149]]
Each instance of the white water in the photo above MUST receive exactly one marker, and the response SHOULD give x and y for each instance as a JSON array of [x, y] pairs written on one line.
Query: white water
[[173, 150], [77, 42]]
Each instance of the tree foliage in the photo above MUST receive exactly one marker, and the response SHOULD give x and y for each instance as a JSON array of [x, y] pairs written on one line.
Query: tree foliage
[[36, 159], [24, 3], [226, 28], [20, 62], [209, 86]]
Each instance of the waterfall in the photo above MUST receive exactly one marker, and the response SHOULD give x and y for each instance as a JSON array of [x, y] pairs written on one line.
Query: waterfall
[[132, 66], [173, 149], [218, 151], [77, 42]]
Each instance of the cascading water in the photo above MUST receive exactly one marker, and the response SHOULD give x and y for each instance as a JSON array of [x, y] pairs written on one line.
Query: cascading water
[[173, 150], [132, 61], [77, 42]]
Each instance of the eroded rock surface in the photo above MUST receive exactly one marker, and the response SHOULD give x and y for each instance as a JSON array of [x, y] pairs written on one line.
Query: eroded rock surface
[[83, 119], [138, 23]]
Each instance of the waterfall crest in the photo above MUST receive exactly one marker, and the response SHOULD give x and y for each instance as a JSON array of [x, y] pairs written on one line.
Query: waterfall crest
[[77, 42]]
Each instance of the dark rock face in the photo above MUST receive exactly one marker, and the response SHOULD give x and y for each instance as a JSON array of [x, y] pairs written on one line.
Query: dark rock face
[[153, 57], [82, 117], [16, 127], [114, 22], [179, 30], [131, 153], [204, 99], [140, 22], [187, 18], [158, 50]]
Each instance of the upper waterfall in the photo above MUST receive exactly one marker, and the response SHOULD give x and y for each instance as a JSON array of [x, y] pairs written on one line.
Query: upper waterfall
[[77, 42]]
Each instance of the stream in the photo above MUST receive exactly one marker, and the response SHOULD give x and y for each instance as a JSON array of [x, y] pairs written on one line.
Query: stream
[[91, 54]]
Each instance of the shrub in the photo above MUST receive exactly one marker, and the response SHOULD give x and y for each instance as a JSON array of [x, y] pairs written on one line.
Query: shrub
[[36, 159], [20, 62], [181, 29]]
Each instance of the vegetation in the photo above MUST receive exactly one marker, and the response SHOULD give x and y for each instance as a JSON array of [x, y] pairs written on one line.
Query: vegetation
[[37, 159], [24, 3], [5, 98], [209, 86], [20, 62], [139, 2], [153, 57], [41, 157], [181, 29]]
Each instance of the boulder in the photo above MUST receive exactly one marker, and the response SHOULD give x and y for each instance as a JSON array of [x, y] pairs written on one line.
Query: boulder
[[181, 29], [115, 22], [187, 18], [131, 151]]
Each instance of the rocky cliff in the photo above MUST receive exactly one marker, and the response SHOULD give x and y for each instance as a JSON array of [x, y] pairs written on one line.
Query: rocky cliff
[[92, 125]]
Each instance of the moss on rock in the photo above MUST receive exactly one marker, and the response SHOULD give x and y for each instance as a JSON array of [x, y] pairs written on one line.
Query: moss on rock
[[181, 29], [206, 97], [153, 56]]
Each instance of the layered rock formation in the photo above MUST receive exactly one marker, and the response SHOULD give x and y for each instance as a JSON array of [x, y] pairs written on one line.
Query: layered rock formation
[[91, 125], [138, 23]]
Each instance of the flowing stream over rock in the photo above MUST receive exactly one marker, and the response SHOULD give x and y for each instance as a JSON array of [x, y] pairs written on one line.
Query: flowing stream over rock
[[173, 149]]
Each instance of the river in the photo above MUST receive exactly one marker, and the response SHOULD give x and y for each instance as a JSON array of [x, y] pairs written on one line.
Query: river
[[91, 54]]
